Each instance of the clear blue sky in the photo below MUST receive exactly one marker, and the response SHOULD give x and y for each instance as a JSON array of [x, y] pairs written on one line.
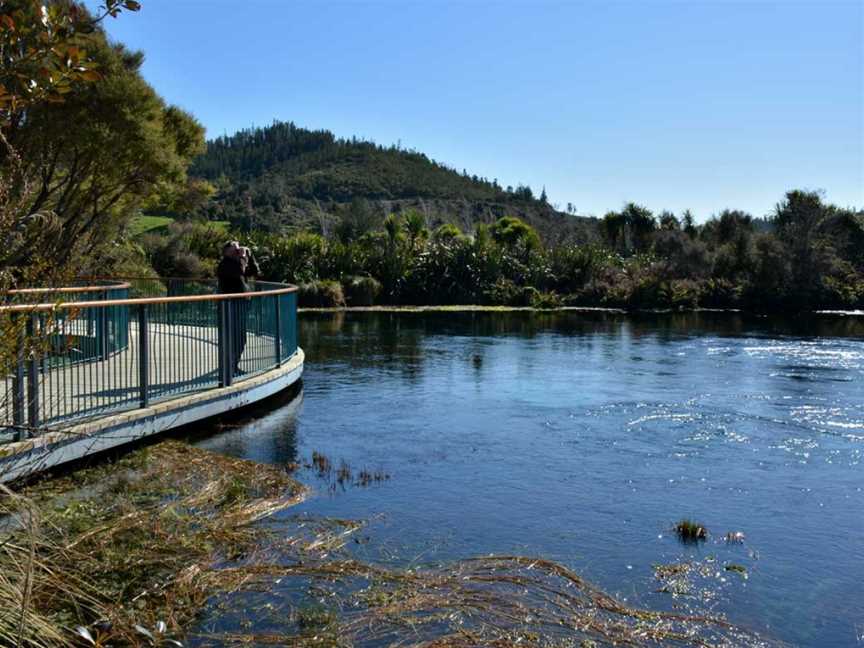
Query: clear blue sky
[[687, 104]]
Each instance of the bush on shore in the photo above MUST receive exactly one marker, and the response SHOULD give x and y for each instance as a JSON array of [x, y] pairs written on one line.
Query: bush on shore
[[321, 294], [809, 255], [361, 291]]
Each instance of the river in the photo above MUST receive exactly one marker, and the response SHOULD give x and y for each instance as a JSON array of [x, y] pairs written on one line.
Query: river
[[584, 438]]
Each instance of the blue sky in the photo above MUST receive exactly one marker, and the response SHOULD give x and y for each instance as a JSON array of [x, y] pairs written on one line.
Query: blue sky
[[684, 104]]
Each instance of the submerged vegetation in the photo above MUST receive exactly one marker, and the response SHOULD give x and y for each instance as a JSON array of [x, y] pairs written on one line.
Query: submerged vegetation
[[342, 475], [162, 547]]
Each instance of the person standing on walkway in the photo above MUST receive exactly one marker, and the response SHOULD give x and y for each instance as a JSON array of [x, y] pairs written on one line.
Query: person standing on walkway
[[237, 265]]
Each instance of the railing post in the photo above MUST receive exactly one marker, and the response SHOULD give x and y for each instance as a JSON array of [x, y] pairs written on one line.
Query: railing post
[[292, 309], [278, 337], [43, 357], [220, 340], [170, 315], [229, 342], [32, 377], [143, 357], [102, 328], [18, 397], [226, 343]]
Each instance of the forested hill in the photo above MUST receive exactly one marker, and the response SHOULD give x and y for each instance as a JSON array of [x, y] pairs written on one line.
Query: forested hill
[[284, 175], [315, 164]]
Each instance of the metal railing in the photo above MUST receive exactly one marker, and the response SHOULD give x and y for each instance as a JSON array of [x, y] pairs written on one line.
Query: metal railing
[[101, 349], [98, 333]]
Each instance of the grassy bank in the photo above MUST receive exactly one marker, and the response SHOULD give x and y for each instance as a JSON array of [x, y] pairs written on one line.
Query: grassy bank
[[159, 224]]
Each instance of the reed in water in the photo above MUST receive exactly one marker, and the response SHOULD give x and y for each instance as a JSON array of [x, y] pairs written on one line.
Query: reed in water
[[140, 551]]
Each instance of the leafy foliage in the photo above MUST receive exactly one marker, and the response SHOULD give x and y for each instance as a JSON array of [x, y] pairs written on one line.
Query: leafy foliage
[[52, 53], [43, 47], [810, 258], [90, 161]]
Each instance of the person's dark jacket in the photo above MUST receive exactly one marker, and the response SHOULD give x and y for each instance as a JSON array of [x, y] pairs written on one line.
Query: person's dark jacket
[[232, 278]]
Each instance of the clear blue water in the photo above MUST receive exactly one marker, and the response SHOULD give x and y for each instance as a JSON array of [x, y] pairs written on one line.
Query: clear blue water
[[585, 437]]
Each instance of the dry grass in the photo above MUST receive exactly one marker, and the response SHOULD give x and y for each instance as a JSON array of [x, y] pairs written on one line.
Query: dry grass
[[113, 547], [141, 551]]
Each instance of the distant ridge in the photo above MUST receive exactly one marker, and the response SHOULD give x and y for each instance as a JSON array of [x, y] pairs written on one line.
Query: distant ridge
[[285, 176]]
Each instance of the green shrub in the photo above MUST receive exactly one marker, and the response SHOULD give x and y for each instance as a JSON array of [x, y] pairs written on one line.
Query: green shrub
[[170, 256], [295, 259], [680, 293], [843, 292], [321, 294], [446, 232], [505, 292], [361, 291], [614, 293], [645, 293], [545, 300], [513, 232], [720, 293]]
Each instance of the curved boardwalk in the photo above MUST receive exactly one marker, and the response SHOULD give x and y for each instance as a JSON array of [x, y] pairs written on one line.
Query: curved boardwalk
[[109, 373], [181, 361]]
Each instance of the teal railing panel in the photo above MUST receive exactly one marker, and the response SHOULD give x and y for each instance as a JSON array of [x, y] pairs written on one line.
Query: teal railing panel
[[80, 363]]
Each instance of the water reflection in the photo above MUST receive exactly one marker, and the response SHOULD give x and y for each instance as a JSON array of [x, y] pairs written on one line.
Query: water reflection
[[266, 433]]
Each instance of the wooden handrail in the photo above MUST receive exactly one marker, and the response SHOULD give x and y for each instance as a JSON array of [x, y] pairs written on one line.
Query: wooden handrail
[[143, 278], [29, 308], [66, 289]]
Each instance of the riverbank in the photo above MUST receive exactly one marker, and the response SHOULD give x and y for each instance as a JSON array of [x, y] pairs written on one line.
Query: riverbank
[[124, 551], [477, 308], [163, 546]]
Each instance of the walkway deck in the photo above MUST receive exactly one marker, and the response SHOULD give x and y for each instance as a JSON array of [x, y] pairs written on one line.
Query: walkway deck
[[94, 374], [183, 359], [22, 458]]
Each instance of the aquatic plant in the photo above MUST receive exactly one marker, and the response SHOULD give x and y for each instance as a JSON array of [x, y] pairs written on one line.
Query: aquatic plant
[[367, 477], [321, 463], [343, 474], [690, 531], [740, 569], [672, 569], [696, 580], [487, 602], [314, 617]]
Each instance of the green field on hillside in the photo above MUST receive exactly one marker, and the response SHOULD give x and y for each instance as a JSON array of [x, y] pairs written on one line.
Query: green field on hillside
[[143, 224]]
